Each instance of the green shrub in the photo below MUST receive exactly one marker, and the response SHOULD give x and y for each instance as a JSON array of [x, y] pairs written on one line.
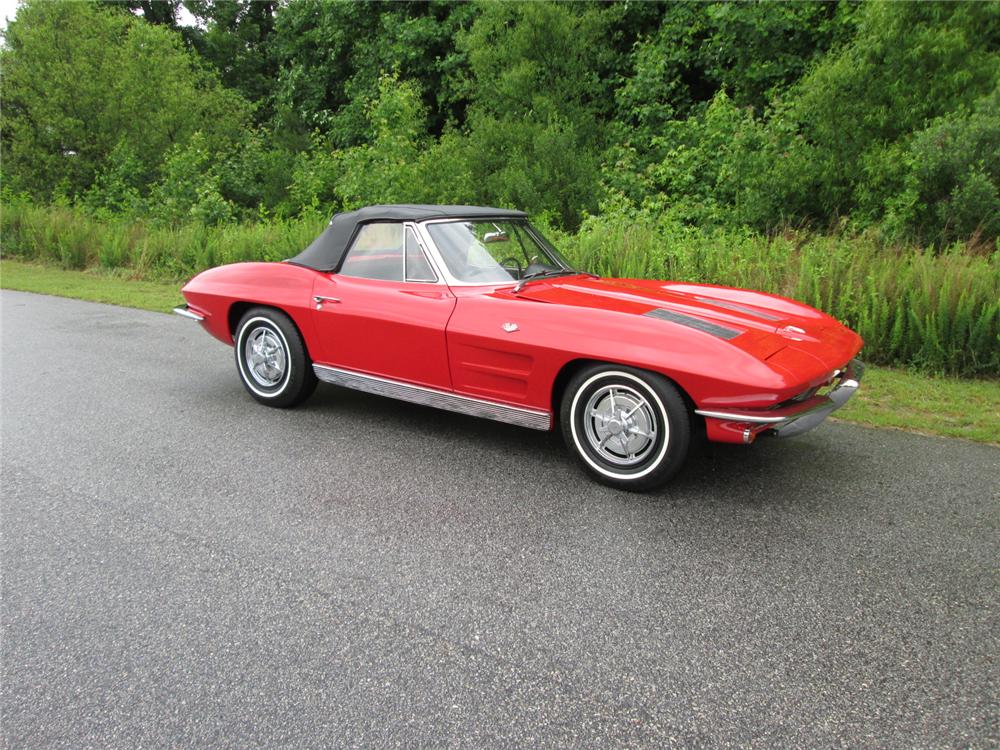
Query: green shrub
[[190, 187], [117, 189], [946, 182]]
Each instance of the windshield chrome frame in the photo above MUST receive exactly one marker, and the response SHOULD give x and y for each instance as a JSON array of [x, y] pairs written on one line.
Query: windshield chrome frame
[[442, 267]]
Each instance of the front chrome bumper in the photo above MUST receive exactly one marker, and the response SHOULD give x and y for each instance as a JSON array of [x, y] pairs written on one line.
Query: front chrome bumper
[[841, 393], [790, 421]]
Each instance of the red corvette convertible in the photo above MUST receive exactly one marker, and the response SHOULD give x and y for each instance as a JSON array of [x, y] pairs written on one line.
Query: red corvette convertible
[[470, 309]]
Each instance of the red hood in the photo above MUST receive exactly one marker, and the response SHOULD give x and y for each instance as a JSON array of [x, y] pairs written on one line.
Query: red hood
[[760, 324]]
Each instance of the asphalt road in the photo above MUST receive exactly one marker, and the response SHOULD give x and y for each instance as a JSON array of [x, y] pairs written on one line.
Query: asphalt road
[[182, 567]]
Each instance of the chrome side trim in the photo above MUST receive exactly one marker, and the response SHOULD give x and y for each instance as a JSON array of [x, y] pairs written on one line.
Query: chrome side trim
[[184, 312], [735, 417], [530, 418]]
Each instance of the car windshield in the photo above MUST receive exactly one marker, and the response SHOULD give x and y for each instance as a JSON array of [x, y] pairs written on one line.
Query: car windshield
[[495, 252]]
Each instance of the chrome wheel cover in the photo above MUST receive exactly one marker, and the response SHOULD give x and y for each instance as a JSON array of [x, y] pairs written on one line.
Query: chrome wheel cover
[[265, 357], [620, 425]]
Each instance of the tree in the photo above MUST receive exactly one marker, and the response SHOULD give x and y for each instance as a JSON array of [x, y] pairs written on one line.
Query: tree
[[236, 41], [331, 56], [540, 88], [161, 12], [908, 64], [753, 52], [80, 80], [893, 125]]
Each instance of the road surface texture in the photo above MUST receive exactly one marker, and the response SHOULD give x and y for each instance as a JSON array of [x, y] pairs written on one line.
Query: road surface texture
[[185, 568]]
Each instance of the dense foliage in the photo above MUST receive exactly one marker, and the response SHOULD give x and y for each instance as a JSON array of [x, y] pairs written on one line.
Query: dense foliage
[[759, 115], [712, 131]]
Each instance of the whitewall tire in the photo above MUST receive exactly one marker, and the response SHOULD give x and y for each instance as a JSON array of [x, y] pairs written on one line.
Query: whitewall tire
[[271, 358], [627, 428]]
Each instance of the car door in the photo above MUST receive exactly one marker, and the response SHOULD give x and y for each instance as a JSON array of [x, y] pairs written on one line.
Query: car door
[[386, 309]]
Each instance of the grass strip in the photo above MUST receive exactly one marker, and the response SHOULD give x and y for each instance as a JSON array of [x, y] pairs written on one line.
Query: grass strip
[[945, 406], [917, 402], [91, 286]]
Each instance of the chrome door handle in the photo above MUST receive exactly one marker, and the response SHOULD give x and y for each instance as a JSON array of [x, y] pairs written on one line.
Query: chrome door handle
[[319, 300]]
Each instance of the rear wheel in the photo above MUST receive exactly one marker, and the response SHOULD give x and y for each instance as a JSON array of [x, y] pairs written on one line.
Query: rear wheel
[[628, 428], [271, 358]]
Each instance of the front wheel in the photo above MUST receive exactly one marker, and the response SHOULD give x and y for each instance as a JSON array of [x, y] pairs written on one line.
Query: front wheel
[[272, 360], [628, 428]]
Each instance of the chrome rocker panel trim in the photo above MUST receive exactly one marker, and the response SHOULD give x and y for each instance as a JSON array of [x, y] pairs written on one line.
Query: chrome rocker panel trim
[[531, 418], [185, 312], [791, 423]]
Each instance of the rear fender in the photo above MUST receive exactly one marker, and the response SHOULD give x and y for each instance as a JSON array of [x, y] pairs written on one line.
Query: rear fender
[[284, 286]]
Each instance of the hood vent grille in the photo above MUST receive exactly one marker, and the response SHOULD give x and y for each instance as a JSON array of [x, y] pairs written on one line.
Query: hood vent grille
[[738, 308], [692, 322]]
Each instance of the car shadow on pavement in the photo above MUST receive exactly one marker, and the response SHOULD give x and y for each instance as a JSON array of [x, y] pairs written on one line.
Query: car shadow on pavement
[[772, 471]]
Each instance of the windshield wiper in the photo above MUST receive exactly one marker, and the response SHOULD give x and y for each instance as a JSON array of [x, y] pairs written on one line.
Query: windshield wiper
[[544, 275]]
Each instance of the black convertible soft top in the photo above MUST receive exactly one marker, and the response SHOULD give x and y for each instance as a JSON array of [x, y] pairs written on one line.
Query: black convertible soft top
[[327, 250]]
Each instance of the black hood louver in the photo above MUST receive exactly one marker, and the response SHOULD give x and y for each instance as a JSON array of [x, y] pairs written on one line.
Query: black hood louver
[[698, 324], [738, 308]]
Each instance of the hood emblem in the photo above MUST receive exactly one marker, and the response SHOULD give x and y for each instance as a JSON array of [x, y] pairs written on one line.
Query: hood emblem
[[510, 327], [792, 332]]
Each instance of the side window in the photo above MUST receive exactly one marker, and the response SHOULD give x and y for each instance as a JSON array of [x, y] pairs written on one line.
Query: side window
[[417, 266], [377, 253]]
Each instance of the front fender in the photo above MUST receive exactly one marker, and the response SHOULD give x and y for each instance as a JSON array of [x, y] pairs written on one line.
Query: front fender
[[521, 365]]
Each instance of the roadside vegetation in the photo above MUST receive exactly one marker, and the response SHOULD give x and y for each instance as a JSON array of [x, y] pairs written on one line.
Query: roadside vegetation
[[757, 116]]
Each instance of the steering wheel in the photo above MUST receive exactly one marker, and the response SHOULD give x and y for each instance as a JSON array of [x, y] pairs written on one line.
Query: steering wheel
[[512, 261]]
